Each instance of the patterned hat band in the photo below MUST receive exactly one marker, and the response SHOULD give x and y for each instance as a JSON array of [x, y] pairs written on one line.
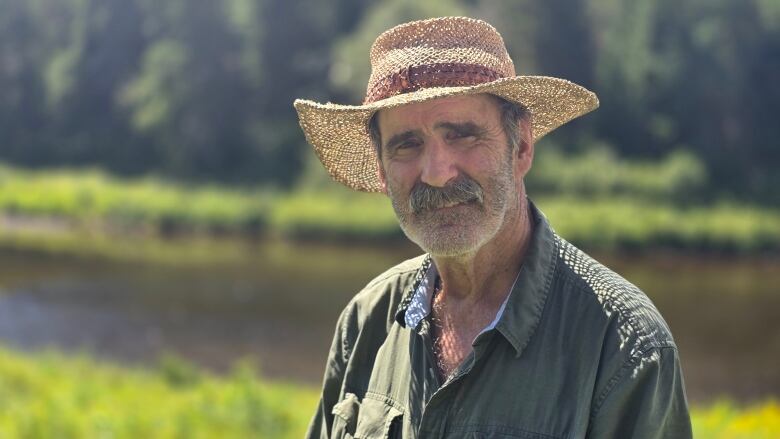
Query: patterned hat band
[[414, 78]]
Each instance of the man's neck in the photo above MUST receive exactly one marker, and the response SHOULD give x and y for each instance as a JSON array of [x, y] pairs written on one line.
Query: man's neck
[[483, 279]]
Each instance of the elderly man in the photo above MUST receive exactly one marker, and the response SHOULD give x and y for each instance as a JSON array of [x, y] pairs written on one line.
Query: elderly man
[[503, 329]]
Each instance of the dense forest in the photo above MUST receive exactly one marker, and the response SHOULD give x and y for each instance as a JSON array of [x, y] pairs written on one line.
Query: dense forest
[[203, 90]]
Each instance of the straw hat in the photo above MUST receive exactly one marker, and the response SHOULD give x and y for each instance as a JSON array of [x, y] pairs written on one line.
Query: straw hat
[[424, 60]]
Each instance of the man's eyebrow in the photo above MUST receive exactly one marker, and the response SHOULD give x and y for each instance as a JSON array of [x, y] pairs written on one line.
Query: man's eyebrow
[[399, 138], [467, 128]]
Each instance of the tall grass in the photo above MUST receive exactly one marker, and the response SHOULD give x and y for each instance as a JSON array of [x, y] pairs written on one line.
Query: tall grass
[[621, 222], [599, 172], [334, 213], [727, 420], [52, 396], [92, 195], [609, 215], [48, 395]]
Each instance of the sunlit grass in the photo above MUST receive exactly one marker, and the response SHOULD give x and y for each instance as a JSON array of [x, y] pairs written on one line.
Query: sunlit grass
[[726, 420], [92, 195], [607, 223], [45, 395], [95, 206], [336, 213], [49, 395]]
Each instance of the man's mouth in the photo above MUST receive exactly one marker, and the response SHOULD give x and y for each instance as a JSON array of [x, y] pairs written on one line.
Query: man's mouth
[[451, 204]]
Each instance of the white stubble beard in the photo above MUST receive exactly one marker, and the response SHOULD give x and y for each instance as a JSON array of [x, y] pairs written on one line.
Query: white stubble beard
[[469, 227]]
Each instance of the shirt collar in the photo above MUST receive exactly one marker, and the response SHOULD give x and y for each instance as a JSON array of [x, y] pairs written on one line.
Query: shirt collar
[[409, 295], [422, 298], [526, 302], [420, 305], [520, 313]]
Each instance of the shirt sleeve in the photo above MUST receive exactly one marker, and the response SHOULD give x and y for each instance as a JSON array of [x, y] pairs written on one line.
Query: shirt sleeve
[[322, 422], [645, 399]]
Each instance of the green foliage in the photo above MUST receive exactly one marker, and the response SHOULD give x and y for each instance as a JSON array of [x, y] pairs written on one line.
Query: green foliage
[[769, 11], [635, 223], [627, 61], [178, 373], [49, 395], [61, 70], [598, 172], [241, 15], [92, 196], [319, 208], [157, 91], [726, 420], [202, 91], [335, 214], [633, 205], [52, 395]]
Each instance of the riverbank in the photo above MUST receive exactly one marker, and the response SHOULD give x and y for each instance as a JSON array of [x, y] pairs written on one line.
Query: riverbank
[[49, 394], [67, 209]]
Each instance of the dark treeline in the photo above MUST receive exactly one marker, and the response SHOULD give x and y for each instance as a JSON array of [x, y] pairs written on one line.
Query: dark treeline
[[203, 90]]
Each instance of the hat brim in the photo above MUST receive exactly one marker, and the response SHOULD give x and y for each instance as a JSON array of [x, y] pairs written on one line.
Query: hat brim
[[340, 137]]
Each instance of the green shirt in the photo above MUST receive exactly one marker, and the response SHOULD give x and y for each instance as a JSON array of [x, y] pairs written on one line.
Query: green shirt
[[576, 352]]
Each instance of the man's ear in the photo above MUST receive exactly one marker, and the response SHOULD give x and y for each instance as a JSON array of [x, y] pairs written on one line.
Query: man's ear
[[380, 175], [525, 151]]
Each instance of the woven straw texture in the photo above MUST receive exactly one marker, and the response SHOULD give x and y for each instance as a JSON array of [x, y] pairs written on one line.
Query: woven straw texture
[[339, 133]]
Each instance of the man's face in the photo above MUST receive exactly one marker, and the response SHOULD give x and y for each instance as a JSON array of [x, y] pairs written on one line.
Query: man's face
[[449, 171]]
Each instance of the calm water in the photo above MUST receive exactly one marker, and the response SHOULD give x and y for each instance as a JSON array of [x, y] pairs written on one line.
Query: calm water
[[280, 304]]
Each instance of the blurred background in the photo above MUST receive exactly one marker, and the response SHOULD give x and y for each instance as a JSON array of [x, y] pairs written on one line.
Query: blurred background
[[173, 257]]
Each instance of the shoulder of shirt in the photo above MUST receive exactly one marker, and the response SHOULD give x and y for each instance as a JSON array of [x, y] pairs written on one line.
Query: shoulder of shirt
[[408, 266], [627, 311], [381, 296]]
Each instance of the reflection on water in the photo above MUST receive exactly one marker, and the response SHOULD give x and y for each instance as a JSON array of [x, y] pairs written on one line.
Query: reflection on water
[[280, 304]]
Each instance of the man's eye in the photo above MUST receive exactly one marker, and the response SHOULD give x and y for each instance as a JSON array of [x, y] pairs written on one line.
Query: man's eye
[[407, 145], [458, 135]]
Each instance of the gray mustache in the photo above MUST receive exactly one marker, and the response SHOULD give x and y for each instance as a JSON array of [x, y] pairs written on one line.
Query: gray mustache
[[426, 197]]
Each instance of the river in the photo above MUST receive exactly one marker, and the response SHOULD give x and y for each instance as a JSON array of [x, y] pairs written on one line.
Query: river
[[279, 304]]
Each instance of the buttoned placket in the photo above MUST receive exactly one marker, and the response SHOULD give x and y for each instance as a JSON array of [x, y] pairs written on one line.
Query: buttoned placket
[[434, 391], [437, 406]]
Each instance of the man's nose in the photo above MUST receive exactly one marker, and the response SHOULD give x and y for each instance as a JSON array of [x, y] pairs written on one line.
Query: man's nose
[[438, 164]]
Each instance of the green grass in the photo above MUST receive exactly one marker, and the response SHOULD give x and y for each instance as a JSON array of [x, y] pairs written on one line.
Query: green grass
[[90, 209], [624, 222], [89, 196], [334, 214], [50, 395], [726, 420], [45, 395], [599, 172]]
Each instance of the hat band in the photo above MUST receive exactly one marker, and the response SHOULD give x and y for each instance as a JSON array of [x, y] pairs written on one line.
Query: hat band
[[430, 75]]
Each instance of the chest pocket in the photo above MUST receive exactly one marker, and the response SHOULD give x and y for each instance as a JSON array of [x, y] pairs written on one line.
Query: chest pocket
[[372, 418]]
